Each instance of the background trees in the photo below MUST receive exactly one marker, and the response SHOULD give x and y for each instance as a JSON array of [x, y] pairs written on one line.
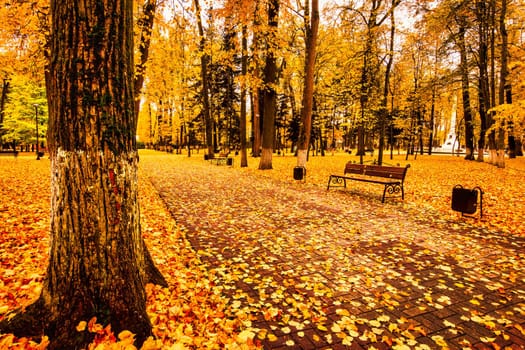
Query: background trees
[[22, 60], [386, 75]]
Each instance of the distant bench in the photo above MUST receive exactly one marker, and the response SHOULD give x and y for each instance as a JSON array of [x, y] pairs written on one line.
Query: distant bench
[[222, 159], [14, 153], [392, 177]]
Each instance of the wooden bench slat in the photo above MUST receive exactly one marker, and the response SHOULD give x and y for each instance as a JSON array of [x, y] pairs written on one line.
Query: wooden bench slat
[[221, 161], [394, 177]]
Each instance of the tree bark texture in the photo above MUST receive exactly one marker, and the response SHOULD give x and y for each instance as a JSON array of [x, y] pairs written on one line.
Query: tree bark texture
[[369, 71], [386, 87], [97, 260], [465, 90], [308, 93], [505, 85], [255, 94], [484, 97], [208, 120], [244, 71], [269, 94], [145, 27]]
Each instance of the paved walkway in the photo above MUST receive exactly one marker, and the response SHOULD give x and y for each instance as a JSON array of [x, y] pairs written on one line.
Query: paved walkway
[[333, 270]]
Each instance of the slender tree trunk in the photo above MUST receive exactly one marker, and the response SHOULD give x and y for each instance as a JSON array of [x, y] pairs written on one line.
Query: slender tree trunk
[[3, 100], [505, 85], [484, 84], [145, 25], [255, 94], [97, 259], [206, 110], [256, 123], [465, 92], [499, 133], [308, 93], [244, 70], [269, 93], [433, 102], [368, 77], [386, 88], [432, 119]]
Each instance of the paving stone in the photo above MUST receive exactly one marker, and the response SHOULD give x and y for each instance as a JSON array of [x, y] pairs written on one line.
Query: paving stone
[[431, 323], [283, 245]]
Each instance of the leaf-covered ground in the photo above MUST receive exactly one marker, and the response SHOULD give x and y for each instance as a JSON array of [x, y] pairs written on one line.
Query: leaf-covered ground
[[257, 258]]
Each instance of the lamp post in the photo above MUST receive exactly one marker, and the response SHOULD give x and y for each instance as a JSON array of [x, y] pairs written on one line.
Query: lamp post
[[36, 123]]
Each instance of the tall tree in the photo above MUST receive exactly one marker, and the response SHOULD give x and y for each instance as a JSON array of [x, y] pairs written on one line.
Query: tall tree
[[97, 260], [459, 14], [312, 28], [369, 83], [386, 86], [3, 100], [256, 88], [505, 85], [206, 109], [482, 9], [244, 71], [145, 27], [270, 93]]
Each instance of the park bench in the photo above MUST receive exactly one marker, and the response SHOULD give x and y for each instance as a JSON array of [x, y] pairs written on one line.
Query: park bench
[[9, 152], [392, 177], [221, 160]]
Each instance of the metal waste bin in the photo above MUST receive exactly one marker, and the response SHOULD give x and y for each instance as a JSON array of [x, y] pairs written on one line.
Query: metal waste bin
[[465, 200], [299, 172]]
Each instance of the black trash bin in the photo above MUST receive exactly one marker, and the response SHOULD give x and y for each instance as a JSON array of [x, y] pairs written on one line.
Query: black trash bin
[[465, 200], [299, 172]]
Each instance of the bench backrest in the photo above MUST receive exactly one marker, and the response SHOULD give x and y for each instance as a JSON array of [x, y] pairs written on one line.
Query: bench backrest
[[391, 172]]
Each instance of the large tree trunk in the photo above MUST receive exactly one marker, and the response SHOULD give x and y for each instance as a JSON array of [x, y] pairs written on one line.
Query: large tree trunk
[[270, 95], [308, 93], [97, 259]]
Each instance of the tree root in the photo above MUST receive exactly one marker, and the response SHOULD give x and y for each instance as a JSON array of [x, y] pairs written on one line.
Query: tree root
[[25, 322], [153, 274]]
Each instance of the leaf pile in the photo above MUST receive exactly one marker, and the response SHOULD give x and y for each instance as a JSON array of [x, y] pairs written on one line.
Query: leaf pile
[[256, 259], [188, 314], [428, 184], [318, 269]]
